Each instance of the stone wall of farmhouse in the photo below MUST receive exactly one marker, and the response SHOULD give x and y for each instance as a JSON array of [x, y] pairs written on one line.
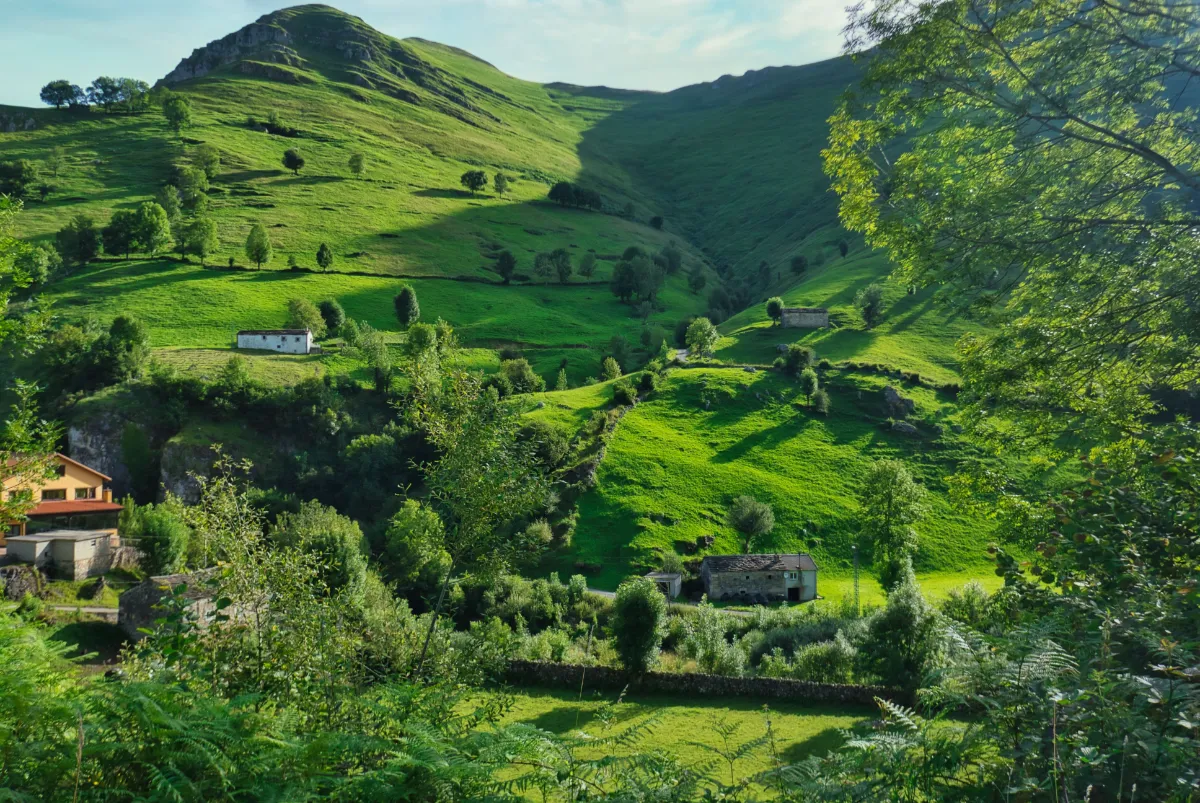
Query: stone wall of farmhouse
[[731, 585], [808, 319], [568, 676]]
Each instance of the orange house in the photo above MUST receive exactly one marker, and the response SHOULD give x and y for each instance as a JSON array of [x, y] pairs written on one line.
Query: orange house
[[76, 498]]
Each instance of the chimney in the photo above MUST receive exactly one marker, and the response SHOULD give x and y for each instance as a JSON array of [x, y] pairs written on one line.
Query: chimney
[[107, 494]]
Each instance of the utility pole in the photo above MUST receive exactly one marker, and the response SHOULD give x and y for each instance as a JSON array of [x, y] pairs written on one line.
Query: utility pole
[[857, 607]]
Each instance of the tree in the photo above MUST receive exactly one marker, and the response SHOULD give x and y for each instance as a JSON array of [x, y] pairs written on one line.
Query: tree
[[421, 342], [843, 247], [123, 350], [775, 310], [701, 337], [178, 112], [151, 228], [1068, 236], [193, 184], [484, 477], [809, 384], [697, 280], [562, 383], [869, 301], [587, 265], [333, 315], [753, 521], [474, 180], [324, 257], [521, 376], [161, 537], [207, 159], [335, 540], [638, 623], [891, 502], [561, 259], [78, 242], [563, 193], [168, 198], [200, 238], [357, 164], [610, 369], [657, 222], [673, 257], [821, 401], [36, 264], [500, 181], [799, 359], [799, 264], [120, 235], [258, 245], [293, 161], [16, 176], [303, 314], [624, 282], [408, 311], [56, 160], [58, 93], [105, 92], [543, 266], [506, 265]]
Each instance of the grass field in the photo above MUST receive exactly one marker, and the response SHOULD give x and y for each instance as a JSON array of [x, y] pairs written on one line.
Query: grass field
[[679, 723]]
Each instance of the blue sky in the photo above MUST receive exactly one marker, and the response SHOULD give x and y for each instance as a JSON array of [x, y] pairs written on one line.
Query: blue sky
[[636, 44]]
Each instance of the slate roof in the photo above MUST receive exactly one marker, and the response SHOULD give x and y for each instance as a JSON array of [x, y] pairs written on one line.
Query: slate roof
[[760, 563], [275, 332], [805, 309]]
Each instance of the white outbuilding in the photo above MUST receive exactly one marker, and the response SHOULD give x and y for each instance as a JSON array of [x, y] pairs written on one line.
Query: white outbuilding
[[283, 341]]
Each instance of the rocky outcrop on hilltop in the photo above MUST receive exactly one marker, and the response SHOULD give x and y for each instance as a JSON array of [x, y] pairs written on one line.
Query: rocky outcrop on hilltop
[[260, 41]]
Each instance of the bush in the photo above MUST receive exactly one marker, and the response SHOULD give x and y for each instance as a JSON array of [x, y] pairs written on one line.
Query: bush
[[333, 314], [902, 640], [638, 623], [780, 364], [521, 376], [648, 382], [335, 539], [821, 402], [549, 442], [708, 646], [623, 393], [799, 359], [31, 607], [162, 538]]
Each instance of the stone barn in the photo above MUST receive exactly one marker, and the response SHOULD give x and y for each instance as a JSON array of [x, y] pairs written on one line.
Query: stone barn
[[282, 341], [760, 578], [806, 317]]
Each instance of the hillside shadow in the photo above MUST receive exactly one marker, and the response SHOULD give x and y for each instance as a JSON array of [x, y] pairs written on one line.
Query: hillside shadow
[[767, 438], [306, 180], [242, 176], [445, 192]]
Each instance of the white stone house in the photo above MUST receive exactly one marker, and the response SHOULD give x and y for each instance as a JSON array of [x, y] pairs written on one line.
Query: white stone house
[[768, 578], [283, 341]]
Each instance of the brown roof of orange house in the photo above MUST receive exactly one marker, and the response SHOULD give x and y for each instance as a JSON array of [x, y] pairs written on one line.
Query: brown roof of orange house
[[73, 508], [760, 563]]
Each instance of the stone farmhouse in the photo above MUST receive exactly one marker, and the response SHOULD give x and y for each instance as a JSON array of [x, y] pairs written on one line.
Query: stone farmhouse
[[805, 318], [282, 341], [760, 578]]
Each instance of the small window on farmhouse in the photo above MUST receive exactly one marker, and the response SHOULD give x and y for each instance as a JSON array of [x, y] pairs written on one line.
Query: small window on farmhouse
[[264, 337]]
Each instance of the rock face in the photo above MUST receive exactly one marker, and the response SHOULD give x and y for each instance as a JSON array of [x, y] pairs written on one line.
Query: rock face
[[96, 442], [898, 406], [904, 428], [263, 41], [17, 121], [180, 466]]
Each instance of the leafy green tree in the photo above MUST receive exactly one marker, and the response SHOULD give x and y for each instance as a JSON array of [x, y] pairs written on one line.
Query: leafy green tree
[[178, 113], [412, 554], [293, 161], [521, 376], [200, 238], [56, 160], [168, 198], [258, 245], [105, 92], [610, 369], [903, 639], [673, 257], [697, 280], [890, 502], [701, 337], [561, 259], [753, 521], [775, 310], [324, 257], [207, 158], [869, 301], [1070, 235], [843, 247], [799, 264], [36, 265], [500, 181], [549, 442], [16, 176], [161, 537], [193, 186], [357, 164], [587, 265], [562, 383], [59, 93], [821, 401], [120, 235], [335, 540], [624, 282], [638, 623], [563, 193], [474, 180], [151, 228], [809, 384], [799, 359], [506, 265], [408, 311], [333, 315], [421, 341], [303, 314], [123, 350], [79, 241], [543, 266]]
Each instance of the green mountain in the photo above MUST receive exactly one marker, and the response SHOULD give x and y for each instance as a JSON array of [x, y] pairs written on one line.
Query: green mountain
[[733, 167]]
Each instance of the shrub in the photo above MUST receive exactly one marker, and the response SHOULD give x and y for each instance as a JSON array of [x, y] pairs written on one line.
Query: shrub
[[869, 301], [638, 622], [902, 640], [708, 646], [539, 533], [799, 358], [549, 442], [162, 538], [611, 369], [648, 382], [623, 393], [333, 315], [335, 539], [821, 402], [522, 377], [780, 364], [408, 311]]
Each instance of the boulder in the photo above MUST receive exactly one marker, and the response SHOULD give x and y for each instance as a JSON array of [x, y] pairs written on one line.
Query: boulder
[[782, 348], [898, 406], [904, 428]]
